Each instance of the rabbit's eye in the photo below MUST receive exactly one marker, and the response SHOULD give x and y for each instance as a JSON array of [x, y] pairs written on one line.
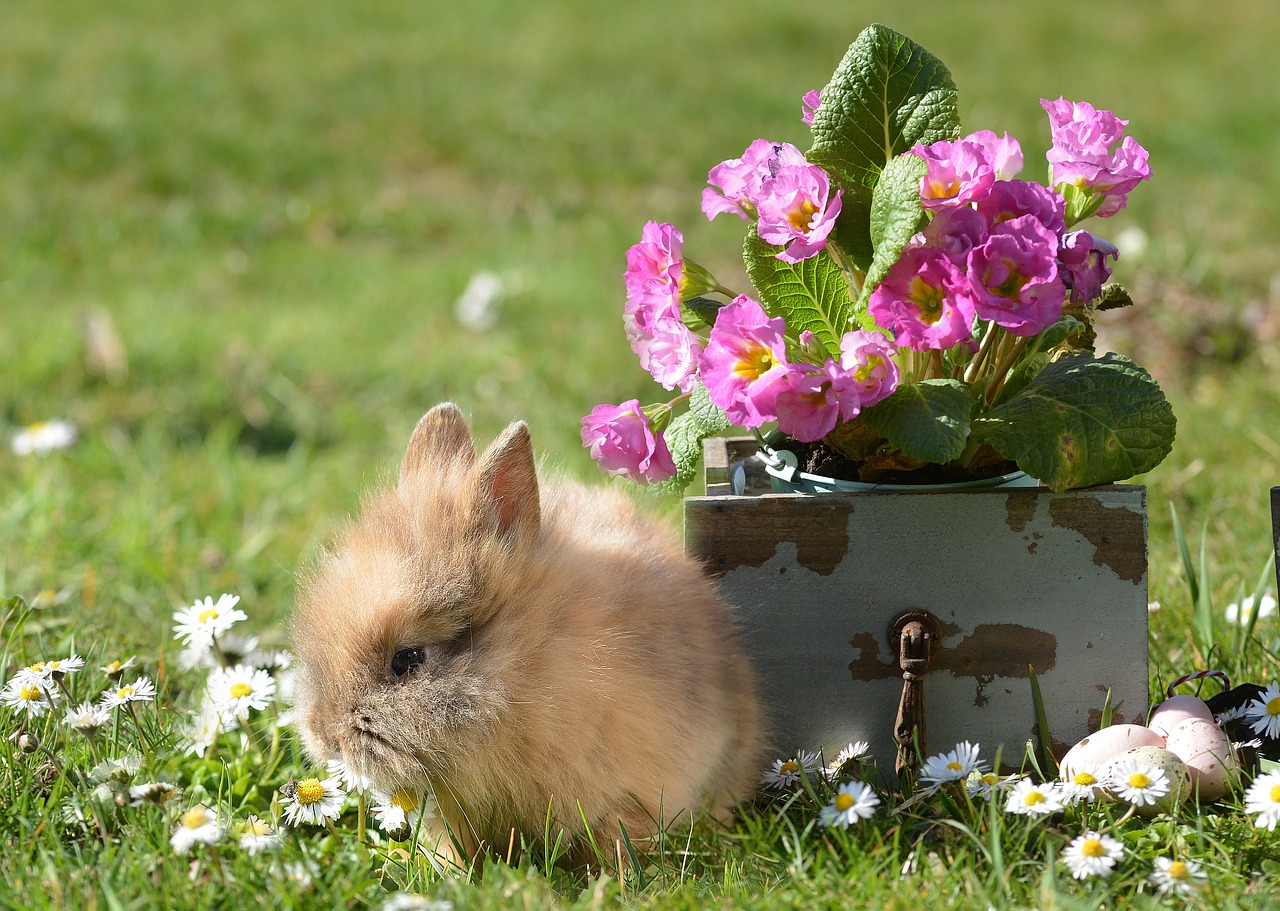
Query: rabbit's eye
[[405, 660]]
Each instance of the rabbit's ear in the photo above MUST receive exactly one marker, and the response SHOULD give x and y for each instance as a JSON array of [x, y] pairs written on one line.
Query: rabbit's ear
[[507, 492], [442, 440]]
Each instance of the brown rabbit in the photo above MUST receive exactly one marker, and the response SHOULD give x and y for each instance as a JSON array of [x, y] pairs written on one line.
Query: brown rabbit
[[517, 650]]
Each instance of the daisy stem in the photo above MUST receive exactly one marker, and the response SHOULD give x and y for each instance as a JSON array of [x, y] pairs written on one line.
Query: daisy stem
[[142, 737], [360, 820]]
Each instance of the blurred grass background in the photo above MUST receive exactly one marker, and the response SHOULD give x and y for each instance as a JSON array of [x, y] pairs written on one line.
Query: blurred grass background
[[278, 204]]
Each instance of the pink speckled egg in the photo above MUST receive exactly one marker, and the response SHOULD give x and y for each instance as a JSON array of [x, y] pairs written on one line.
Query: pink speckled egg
[[1175, 710], [1205, 750]]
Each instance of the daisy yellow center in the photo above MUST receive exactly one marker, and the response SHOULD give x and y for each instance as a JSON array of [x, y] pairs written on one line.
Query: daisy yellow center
[[112, 667], [310, 791], [1092, 848], [844, 802], [1273, 707], [405, 800], [1178, 870], [37, 668], [1084, 778], [801, 217], [195, 818], [240, 689], [37, 426], [1033, 798], [257, 827], [790, 767], [124, 692], [1275, 793], [989, 779], [954, 766], [208, 616], [1139, 780], [29, 693]]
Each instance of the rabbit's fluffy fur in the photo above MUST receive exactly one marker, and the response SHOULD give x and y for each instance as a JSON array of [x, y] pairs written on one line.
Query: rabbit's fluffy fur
[[568, 656]]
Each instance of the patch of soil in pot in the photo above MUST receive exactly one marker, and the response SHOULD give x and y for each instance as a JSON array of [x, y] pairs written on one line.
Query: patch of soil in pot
[[891, 468]]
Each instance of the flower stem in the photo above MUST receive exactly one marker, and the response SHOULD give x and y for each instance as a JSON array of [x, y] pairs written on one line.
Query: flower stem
[[1001, 373], [988, 341]]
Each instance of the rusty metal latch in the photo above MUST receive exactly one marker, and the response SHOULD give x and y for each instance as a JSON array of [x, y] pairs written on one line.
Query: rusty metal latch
[[913, 634]]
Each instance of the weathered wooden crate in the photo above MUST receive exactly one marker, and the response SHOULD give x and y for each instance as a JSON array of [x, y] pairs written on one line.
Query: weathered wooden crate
[[1017, 579]]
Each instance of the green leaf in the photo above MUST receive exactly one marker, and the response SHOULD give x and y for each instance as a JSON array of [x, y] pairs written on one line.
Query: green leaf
[[1083, 420], [812, 294], [896, 215], [928, 421], [887, 95], [684, 436], [1113, 297]]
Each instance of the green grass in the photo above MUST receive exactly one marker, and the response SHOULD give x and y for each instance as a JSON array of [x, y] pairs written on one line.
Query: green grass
[[278, 204]]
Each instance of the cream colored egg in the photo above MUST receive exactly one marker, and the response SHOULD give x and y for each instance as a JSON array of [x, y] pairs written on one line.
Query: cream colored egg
[[1175, 710], [1207, 753], [1164, 760], [1091, 752]]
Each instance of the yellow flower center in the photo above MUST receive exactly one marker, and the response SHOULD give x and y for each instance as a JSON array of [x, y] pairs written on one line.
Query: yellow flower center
[[928, 298], [1084, 778], [255, 827], [790, 767], [1033, 798], [990, 779], [843, 801], [241, 689], [755, 364], [124, 692], [1178, 870], [207, 616], [1139, 780], [863, 372], [37, 668], [29, 693], [1275, 793], [1092, 848], [801, 218], [112, 667], [954, 766], [1273, 707], [937, 189], [37, 426], [405, 800], [310, 791], [195, 817]]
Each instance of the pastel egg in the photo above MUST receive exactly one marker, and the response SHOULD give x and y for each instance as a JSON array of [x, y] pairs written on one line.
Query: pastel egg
[[1207, 753], [1175, 710], [1091, 752], [1162, 759]]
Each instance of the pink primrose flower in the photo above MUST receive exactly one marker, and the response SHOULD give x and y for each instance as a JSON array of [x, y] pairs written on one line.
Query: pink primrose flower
[[1085, 153], [667, 349], [797, 210], [960, 173], [1083, 261], [735, 183], [623, 444], [867, 356], [955, 231], [815, 399], [655, 270], [744, 366], [655, 264], [925, 300], [811, 102], [1004, 152], [1014, 274], [1014, 198]]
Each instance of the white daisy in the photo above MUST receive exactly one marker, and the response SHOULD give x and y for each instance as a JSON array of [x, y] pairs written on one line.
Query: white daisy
[[141, 690], [199, 824], [269, 659], [114, 669], [202, 622], [786, 772], [1242, 613], [1027, 798], [1178, 877], [402, 810], [854, 801], [30, 697], [42, 437], [87, 718], [312, 800], [204, 728], [953, 766], [236, 648], [40, 674], [854, 752], [153, 792], [1092, 854], [1263, 798], [1138, 783], [60, 667], [257, 835], [239, 690], [1263, 713], [298, 874], [348, 778], [121, 769], [1083, 786], [49, 597], [408, 901], [988, 784]]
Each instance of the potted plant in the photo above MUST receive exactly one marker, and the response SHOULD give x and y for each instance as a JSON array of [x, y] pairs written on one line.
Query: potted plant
[[920, 314]]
